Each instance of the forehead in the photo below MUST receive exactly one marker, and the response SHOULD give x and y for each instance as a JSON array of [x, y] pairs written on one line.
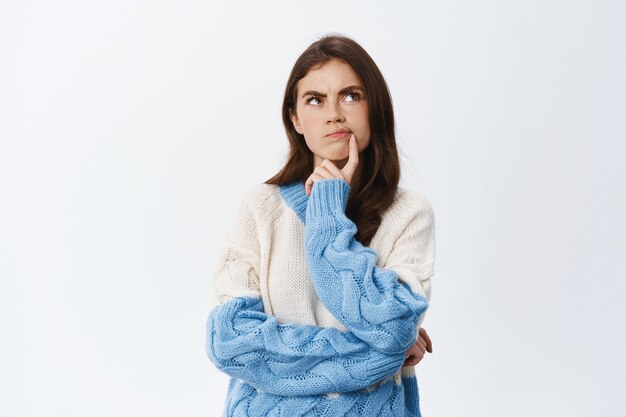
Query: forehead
[[332, 75]]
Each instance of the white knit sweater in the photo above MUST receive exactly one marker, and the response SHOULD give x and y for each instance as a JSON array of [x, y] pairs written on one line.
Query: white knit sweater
[[263, 254], [310, 321]]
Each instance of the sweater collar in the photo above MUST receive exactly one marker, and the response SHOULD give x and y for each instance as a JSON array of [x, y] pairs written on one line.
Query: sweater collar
[[295, 196]]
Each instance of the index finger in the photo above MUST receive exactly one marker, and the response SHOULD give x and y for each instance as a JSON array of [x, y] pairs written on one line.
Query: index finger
[[429, 344], [353, 158]]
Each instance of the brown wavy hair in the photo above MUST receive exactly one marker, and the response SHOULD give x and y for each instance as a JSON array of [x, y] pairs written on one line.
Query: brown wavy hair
[[374, 190]]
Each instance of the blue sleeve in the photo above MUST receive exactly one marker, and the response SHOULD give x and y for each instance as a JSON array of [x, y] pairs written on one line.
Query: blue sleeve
[[288, 359], [370, 301]]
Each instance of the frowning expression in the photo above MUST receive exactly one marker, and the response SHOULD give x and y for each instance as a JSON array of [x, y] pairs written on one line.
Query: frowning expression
[[330, 106]]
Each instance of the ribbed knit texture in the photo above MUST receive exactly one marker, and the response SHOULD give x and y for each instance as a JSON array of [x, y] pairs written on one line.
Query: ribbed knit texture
[[309, 321]]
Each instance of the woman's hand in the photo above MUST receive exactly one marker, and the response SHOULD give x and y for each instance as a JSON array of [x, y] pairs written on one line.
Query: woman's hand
[[416, 352], [329, 170]]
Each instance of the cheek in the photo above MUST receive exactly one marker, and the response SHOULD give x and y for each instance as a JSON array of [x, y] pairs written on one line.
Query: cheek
[[364, 124], [365, 130], [307, 120], [361, 116]]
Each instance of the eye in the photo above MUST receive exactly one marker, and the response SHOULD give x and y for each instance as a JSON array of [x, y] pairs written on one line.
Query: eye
[[355, 96], [308, 100]]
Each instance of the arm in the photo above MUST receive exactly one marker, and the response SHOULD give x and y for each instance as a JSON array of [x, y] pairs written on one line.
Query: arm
[[291, 359], [381, 306], [281, 359]]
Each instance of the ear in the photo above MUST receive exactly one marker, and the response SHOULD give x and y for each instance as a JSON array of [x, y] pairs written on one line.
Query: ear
[[295, 121]]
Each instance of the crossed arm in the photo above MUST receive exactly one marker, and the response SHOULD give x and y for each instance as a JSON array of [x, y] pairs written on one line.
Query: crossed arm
[[379, 311]]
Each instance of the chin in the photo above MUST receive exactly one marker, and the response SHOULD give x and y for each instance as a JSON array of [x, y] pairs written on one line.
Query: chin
[[338, 156]]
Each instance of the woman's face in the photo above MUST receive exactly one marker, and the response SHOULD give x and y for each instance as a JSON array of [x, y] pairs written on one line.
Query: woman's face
[[330, 98]]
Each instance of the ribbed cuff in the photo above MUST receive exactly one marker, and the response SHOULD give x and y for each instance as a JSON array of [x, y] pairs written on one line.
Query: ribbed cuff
[[328, 196]]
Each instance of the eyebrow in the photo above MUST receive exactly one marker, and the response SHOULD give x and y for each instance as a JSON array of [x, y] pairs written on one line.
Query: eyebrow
[[342, 91]]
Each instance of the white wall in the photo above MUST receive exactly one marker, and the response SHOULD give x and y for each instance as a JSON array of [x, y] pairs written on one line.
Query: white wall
[[129, 129]]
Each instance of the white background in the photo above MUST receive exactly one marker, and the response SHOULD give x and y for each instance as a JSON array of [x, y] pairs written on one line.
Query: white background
[[130, 129]]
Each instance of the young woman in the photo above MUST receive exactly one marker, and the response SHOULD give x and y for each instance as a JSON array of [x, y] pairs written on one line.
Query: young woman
[[324, 275]]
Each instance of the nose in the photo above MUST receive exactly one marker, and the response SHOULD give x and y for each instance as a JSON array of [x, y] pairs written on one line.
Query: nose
[[334, 114]]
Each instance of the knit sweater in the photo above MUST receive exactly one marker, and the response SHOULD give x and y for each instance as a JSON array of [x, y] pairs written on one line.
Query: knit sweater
[[309, 321]]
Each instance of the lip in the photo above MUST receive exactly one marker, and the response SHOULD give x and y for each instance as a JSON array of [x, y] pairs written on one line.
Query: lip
[[339, 133]]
